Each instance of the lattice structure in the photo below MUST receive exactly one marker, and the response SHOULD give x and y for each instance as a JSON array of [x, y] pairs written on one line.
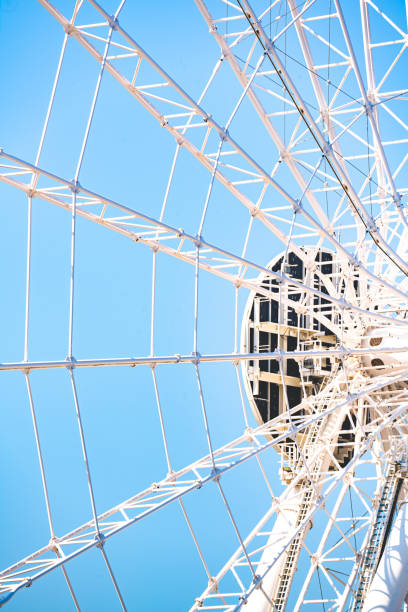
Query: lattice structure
[[372, 553], [286, 196]]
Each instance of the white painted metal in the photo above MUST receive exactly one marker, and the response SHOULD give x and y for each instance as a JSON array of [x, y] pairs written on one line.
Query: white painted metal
[[282, 531], [291, 513], [390, 583], [336, 186], [377, 535]]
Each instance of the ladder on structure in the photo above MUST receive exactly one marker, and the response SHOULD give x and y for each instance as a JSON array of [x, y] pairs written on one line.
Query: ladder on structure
[[377, 538], [292, 554]]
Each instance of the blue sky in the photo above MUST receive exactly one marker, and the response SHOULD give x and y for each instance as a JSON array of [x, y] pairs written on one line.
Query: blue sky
[[155, 563], [128, 159]]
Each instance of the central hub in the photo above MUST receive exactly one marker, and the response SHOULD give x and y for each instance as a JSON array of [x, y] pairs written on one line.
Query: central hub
[[390, 349], [272, 323], [291, 319]]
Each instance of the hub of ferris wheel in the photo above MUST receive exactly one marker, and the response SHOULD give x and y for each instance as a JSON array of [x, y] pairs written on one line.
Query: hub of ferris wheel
[[289, 389]]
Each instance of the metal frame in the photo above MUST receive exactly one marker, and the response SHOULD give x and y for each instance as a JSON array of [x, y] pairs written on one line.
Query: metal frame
[[336, 192]]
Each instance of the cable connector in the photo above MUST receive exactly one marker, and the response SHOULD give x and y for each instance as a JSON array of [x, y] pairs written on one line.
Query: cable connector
[[100, 540], [113, 22], [69, 29], [74, 186]]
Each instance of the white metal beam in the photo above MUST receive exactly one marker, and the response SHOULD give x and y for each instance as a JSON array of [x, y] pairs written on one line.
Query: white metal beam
[[327, 150], [193, 109], [159, 236], [173, 487]]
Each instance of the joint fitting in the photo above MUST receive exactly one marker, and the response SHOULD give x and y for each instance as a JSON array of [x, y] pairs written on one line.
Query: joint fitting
[[257, 580], [113, 22], [223, 134], [249, 434], [215, 474], [196, 358], [326, 149], [69, 28], [278, 353], [371, 226], [100, 539], [283, 154], [70, 359], [53, 544]]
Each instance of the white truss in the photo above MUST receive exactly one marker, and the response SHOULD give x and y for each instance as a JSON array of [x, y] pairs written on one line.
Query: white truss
[[336, 180], [177, 484]]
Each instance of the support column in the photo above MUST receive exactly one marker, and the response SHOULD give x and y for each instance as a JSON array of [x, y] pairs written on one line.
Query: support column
[[390, 583], [279, 538]]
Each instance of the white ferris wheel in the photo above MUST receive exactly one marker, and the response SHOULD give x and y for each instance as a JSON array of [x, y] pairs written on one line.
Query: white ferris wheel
[[205, 361]]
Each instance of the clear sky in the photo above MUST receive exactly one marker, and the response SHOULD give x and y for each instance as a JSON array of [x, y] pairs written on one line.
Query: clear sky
[[128, 159]]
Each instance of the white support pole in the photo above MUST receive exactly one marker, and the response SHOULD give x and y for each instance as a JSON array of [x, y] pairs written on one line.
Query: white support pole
[[281, 533], [390, 583]]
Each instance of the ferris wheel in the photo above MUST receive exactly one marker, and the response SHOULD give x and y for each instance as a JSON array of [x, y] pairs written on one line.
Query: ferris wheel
[[209, 407]]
